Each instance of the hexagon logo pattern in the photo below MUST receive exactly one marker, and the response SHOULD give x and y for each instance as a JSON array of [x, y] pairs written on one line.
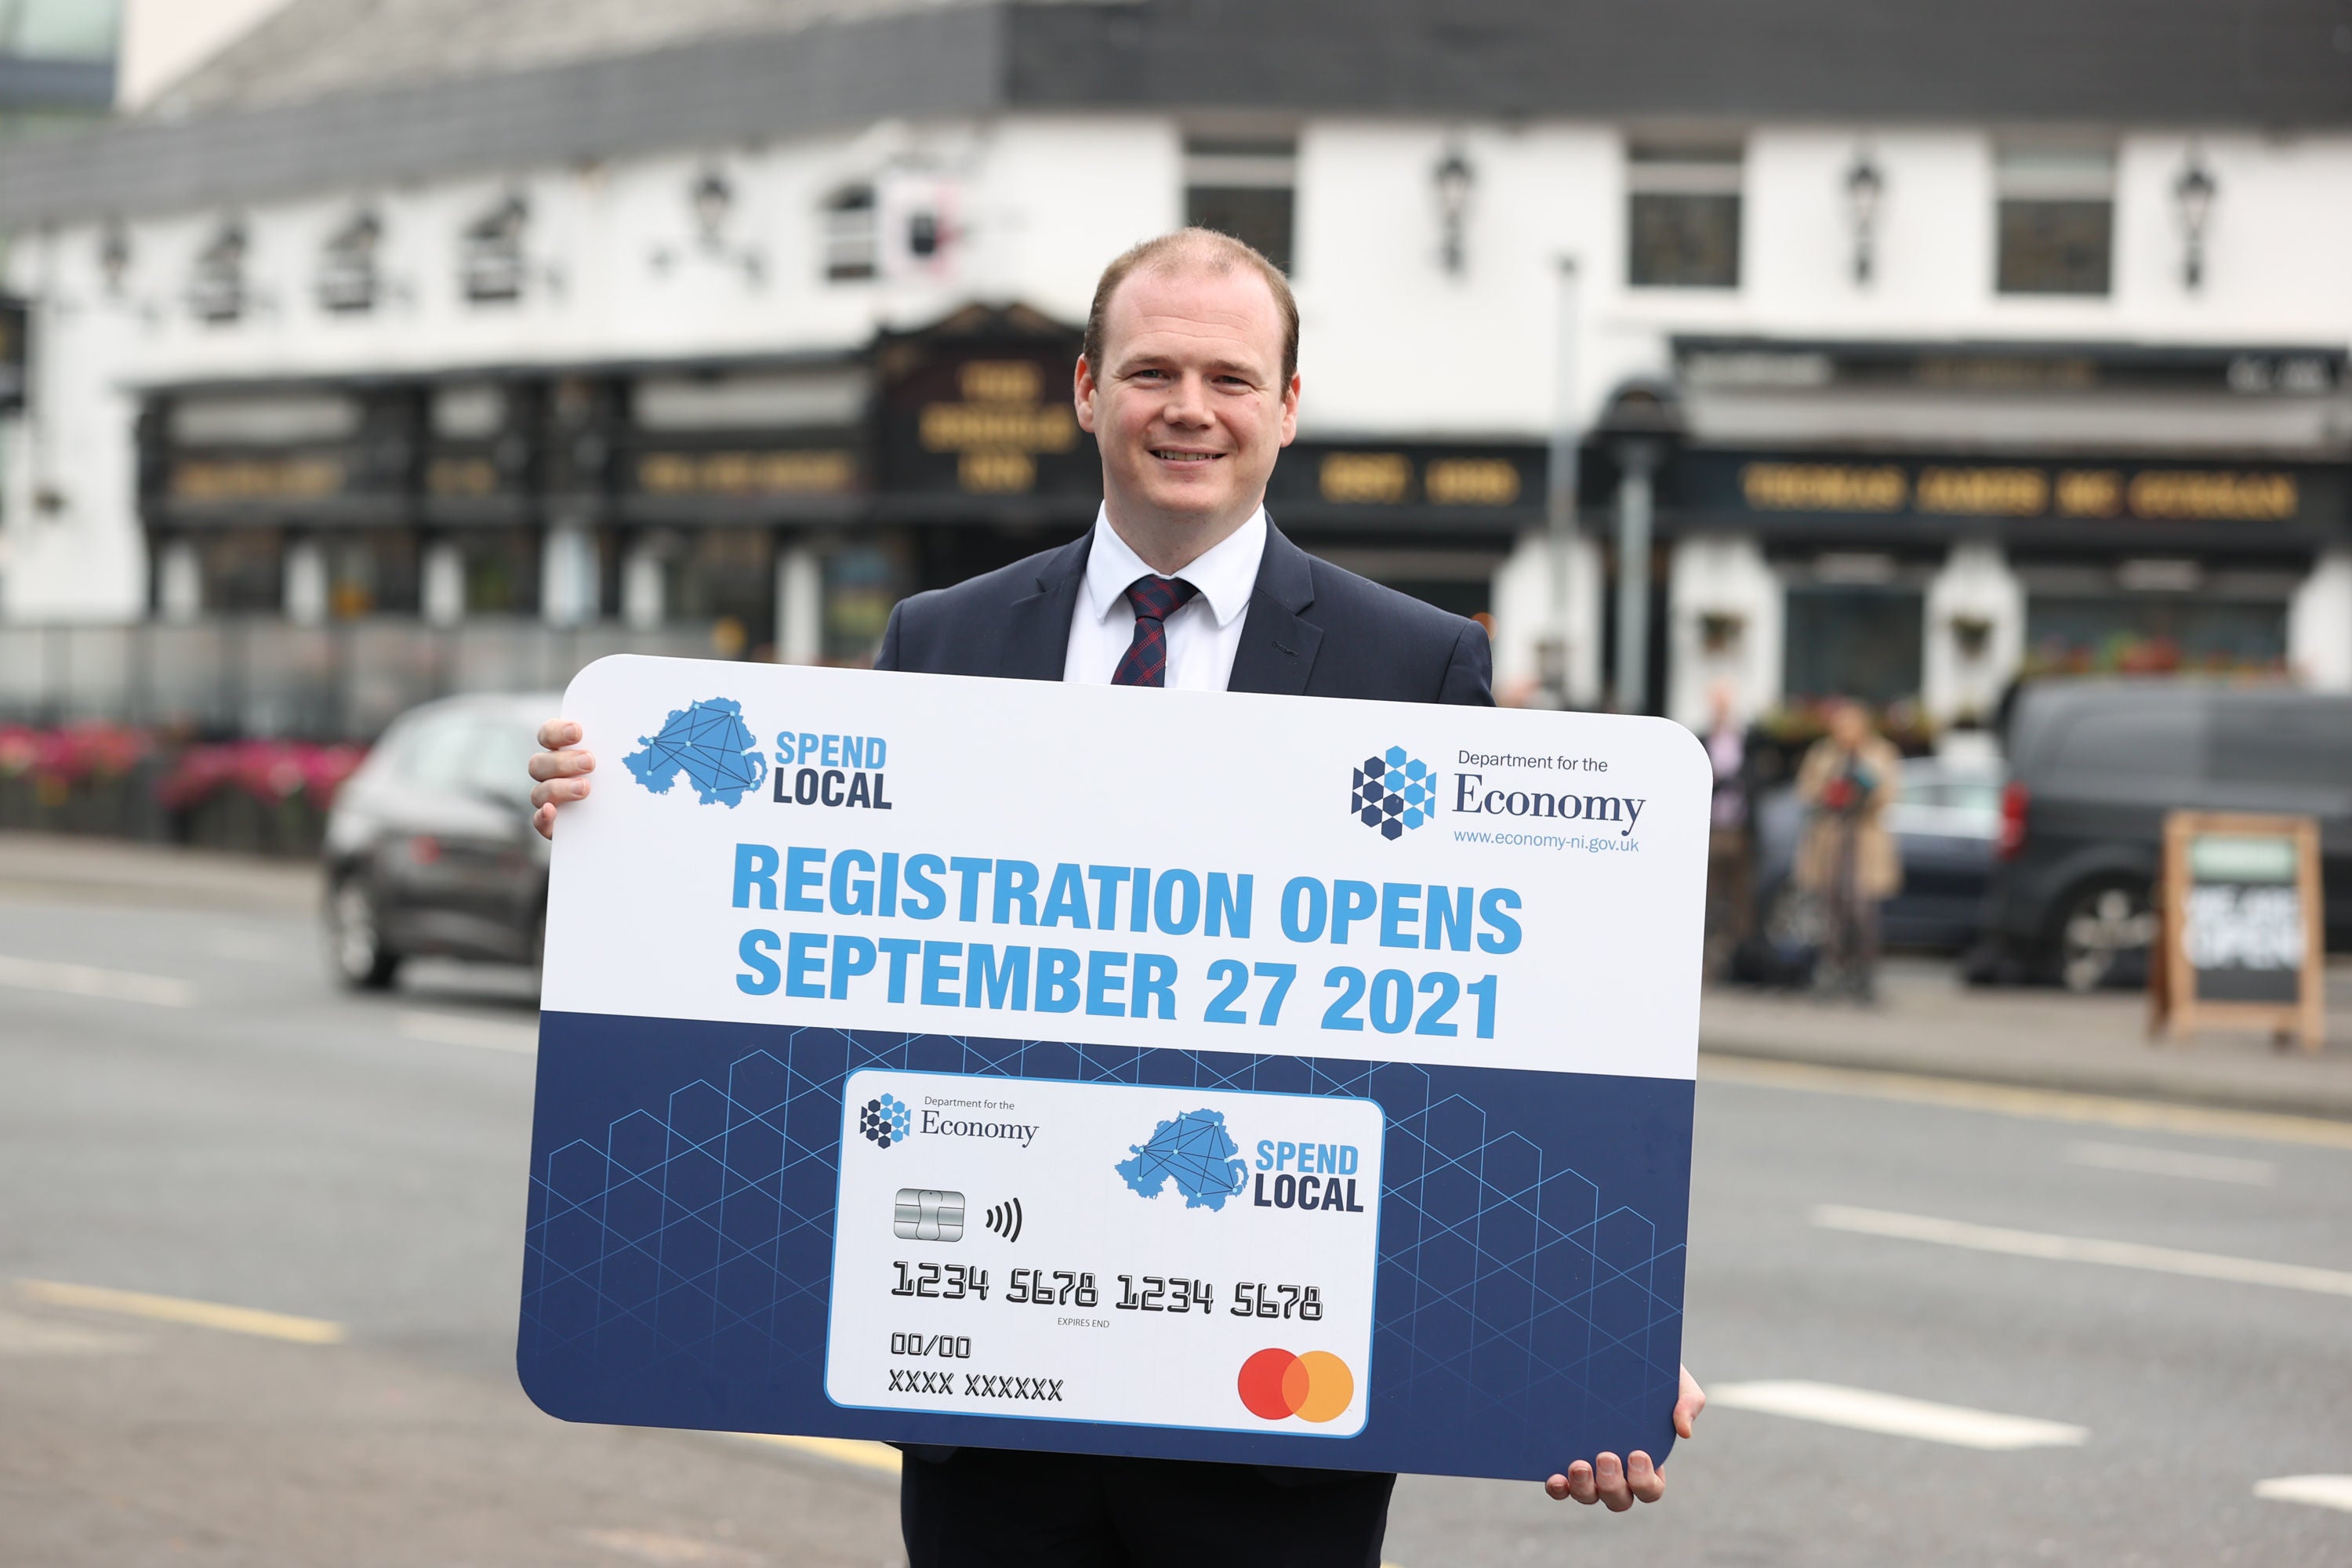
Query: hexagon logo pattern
[[886, 1120], [1393, 792]]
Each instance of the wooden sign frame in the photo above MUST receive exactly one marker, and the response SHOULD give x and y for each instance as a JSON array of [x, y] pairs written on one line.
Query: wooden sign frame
[[2174, 1007]]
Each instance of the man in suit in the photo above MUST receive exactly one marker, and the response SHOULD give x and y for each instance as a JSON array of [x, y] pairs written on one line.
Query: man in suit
[[1189, 383]]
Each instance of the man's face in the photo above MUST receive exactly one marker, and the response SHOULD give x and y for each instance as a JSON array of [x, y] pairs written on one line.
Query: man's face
[[1189, 406]]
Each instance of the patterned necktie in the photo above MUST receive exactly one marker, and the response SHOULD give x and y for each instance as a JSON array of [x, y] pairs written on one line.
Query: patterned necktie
[[1155, 599]]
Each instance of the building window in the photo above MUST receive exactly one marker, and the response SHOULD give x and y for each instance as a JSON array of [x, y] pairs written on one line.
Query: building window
[[491, 263], [850, 235], [2057, 213], [240, 572], [347, 271], [1246, 187], [216, 284], [1681, 217]]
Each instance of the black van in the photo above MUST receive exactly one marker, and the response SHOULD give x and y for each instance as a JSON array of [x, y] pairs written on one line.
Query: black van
[[2094, 767]]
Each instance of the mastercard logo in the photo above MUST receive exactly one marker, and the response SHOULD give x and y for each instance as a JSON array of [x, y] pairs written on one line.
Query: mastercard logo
[[1317, 1386]]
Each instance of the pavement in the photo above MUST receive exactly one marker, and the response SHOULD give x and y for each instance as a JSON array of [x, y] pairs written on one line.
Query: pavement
[[260, 1250], [1927, 1021]]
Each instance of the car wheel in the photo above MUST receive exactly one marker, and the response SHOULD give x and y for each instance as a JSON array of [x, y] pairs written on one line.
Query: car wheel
[[2104, 935], [355, 945]]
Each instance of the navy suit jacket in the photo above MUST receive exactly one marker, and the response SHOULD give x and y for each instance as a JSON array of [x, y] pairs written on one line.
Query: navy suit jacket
[[1312, 630]]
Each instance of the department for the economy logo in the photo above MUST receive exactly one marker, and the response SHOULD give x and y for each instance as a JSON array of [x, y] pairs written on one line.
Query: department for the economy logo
[[710, 745], [1393, 792], [886, 1120]]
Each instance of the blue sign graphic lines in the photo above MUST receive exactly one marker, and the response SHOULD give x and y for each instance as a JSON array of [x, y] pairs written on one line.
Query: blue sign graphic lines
[[710, 745], [1196, 1152]]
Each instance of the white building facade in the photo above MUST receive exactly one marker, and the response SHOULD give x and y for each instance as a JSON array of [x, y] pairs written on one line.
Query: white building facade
[[745, 333]]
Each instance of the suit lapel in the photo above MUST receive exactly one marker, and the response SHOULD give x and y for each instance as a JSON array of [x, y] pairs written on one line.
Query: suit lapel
[[1037, 625], [1278, 647]]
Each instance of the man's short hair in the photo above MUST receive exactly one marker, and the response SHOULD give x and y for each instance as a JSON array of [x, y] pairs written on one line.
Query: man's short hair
[[1209, 251]]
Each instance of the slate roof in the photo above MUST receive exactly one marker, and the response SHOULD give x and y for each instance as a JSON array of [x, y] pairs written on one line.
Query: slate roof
[[317, 48], [335, 94]]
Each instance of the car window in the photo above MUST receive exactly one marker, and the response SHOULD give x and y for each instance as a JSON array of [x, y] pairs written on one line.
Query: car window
[[1974, 794], [2283, 743], [435, 753], [1923, 784], [2142, 743], [496, 753]]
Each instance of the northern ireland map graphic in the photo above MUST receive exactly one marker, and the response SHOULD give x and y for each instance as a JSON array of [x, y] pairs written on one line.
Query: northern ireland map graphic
[[710, 745], [1194, 1151]]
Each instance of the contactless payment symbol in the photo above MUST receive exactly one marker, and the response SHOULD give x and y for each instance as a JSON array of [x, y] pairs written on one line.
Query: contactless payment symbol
[[1393, 791], [886, 1120], [1275, 1385]]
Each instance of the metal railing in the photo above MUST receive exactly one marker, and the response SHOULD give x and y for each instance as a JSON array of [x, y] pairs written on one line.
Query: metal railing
[[263, 678]]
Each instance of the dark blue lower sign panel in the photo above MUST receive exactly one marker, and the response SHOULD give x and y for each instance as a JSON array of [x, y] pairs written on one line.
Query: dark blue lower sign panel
[[677, 1267]]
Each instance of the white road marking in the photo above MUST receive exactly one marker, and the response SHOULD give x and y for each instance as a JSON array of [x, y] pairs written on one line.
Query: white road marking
[[2320, 1491], [84, 980], [2142, 1161], [1865, 1410], [2084, 1250], [456, 1030]]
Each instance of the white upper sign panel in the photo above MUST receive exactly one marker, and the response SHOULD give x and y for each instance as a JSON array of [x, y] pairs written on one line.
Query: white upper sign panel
[[941, 855]]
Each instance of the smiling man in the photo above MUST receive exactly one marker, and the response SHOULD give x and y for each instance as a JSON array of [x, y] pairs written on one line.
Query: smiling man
[[1189, 383]]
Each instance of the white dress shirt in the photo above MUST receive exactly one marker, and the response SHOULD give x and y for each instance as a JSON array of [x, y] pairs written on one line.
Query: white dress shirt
[[1203, 635]]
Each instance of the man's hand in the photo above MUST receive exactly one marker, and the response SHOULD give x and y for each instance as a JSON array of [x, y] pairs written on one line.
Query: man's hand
[[562, 770], [1621, 1485]]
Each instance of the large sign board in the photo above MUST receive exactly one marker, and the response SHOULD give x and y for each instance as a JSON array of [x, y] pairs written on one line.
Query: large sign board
[[2241, 928], [1206, 1076]]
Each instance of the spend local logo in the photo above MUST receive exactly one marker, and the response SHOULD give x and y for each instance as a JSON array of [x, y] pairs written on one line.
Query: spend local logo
[[1307, 1176], [815, 768]]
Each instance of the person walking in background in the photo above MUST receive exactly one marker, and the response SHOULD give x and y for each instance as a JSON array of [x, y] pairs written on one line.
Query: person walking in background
[[1729, 859], [1847, 858]]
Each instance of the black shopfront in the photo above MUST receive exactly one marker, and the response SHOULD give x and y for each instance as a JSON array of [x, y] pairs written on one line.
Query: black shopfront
[[772, 507], [2175, 545]]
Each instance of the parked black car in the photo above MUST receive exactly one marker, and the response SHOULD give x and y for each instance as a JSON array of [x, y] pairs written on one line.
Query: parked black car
[[429, 849], [1944, 821], [2096, 766]]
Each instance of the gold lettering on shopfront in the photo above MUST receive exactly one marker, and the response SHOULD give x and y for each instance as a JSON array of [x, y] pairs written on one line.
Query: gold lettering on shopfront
[[1471, 481], [1984, 493], [461, 477], [2090, 492], [746, 473], [2174, 495], [1000, 428], [1380, 478], [1823, 487], [256, 479]]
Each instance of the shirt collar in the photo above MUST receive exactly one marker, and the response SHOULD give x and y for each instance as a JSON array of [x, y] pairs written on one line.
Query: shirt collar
[[1227, 574]]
